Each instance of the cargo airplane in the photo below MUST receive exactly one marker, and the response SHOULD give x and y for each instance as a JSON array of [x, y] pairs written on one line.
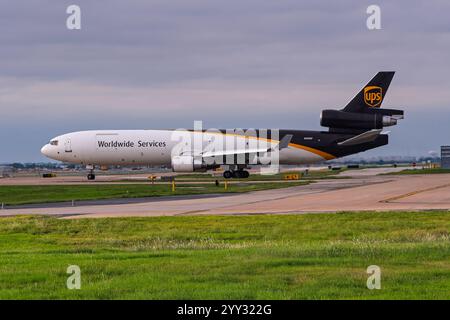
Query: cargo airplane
[[355, 128]]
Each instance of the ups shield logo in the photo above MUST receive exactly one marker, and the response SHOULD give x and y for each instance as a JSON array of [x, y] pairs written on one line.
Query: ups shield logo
[[373, 95]]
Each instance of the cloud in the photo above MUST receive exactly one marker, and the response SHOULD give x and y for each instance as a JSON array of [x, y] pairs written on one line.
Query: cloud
[[232, 63]]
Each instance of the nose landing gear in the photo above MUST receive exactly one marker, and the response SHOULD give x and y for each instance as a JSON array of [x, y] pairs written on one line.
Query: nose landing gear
[[91, 175]]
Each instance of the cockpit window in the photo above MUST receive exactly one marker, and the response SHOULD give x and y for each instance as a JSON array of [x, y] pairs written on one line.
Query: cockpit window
[[54, 142]]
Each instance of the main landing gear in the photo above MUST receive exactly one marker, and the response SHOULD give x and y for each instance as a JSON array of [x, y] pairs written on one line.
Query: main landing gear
[[239, 174]]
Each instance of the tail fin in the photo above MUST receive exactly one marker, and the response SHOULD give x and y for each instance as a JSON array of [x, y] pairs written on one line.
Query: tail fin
[[372, 95]]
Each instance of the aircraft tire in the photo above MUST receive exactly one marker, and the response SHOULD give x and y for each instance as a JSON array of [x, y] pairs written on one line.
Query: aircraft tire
[[227, 174]]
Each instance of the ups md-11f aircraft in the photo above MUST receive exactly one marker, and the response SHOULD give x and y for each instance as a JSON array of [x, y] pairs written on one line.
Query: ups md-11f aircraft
[[355, 128]]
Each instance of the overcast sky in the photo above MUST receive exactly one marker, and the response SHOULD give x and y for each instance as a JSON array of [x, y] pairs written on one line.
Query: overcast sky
[[250, 63]]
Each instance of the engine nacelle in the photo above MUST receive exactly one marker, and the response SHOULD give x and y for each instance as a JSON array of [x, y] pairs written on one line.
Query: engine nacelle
[[350, 120], [187, 164]]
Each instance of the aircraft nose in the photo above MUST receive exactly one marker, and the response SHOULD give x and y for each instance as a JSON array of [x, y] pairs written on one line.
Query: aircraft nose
[[45, 150]]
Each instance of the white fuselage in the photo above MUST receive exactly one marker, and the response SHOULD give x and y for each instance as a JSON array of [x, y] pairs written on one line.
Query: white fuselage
[[157, 147]]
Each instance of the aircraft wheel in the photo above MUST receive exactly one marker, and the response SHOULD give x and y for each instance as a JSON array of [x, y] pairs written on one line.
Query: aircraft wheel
[[241, 174], [227, 174], [91, 176]]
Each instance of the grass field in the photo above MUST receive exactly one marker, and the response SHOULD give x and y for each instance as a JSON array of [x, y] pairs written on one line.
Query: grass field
[[315, 256], [312, 175], [420, 171], [13, 195]]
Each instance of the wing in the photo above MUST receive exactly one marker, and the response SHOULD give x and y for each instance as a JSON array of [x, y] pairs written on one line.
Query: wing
[[284, 143]]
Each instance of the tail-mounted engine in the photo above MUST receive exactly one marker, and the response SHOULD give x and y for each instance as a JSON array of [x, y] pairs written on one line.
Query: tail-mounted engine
[[370, 119]]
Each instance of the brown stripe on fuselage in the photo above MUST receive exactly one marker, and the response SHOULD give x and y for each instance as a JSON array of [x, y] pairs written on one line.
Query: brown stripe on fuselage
[[325, 155]]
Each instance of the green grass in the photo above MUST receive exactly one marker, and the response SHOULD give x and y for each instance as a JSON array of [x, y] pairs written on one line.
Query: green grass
[[312, 175], [419, 171], [315, 256], [14, 195]]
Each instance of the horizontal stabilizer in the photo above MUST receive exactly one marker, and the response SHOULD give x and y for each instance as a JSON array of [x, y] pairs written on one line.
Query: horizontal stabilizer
[[364, 137]]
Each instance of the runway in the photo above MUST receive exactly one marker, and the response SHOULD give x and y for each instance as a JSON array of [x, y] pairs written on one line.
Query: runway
[[364, 191]]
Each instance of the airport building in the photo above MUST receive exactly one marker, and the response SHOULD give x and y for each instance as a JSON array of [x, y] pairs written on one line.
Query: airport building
[[5, 172], [445, 157]]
